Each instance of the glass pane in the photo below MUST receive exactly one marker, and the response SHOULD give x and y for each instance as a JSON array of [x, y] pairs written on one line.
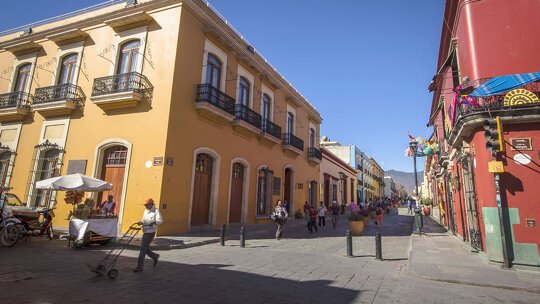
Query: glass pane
[[22, 77]]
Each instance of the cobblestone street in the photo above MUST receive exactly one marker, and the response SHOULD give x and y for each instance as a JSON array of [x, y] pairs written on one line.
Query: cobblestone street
[[301, 268]]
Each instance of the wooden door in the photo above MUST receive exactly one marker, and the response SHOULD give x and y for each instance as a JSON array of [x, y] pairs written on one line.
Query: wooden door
[[113, 171], [202, 189], [288, 186], [237, 193]]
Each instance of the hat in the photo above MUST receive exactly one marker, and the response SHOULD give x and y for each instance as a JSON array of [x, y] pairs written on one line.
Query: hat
[[149, 201]]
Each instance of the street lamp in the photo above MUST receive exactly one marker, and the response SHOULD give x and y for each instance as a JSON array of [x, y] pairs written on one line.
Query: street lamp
[[413, 144]]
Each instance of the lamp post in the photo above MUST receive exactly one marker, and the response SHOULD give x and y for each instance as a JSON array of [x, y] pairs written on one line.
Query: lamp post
[[413, 144]]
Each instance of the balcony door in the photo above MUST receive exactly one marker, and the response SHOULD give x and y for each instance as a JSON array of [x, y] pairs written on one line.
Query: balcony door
[[213, 71], [129, 57], [311, 138], [23, 78], [265, 111], [290, 123], [68, 69]]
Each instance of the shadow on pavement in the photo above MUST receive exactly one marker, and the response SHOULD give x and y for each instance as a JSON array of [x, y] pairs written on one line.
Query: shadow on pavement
[[431, 226]]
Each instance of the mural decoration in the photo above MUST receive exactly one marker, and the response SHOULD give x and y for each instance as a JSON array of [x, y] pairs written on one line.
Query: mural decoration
[[519, 97], [424, 148]]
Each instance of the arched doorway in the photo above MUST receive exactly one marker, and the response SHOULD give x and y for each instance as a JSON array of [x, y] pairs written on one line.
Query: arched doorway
[[113, 171], [202, 189], [287, 191], [237, 193]]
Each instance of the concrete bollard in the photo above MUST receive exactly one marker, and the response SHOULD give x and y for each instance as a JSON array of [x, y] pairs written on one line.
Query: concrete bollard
[[222, 235], [349, 243], [378, 246], [242, 237]]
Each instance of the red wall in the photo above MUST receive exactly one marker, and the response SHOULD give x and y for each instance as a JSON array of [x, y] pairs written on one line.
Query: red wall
[[498, 37]]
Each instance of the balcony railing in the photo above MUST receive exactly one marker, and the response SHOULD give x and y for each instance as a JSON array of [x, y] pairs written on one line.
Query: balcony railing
[[315, 153], [17, 99], [271, 128], [290, 139], [246, 114], [66, 91], [120, 83], [207, 93]]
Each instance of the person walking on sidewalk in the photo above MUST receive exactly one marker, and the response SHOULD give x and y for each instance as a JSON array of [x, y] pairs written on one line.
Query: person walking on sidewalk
[[280, 216], [313, 220], [307, 216], [321, 212], [335, 213], [379, 214], [150, 220], [409, 206]]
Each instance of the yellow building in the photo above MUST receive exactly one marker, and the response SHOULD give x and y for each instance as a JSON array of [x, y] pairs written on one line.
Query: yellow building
[[378, 178], [163, 99]]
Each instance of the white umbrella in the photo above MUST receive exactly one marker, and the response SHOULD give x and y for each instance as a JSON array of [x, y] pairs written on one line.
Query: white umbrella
[[75, 182]]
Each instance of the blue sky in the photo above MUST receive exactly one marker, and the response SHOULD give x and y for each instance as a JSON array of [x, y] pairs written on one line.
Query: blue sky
[[364, 64]]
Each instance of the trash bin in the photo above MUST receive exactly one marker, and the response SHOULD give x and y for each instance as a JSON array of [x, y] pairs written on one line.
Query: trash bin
[[418, 220]]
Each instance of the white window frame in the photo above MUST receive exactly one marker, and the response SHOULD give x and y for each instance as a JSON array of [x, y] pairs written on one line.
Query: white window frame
[[12, 145], [125, 36], [74, 48], [20, 60], [209, 47]]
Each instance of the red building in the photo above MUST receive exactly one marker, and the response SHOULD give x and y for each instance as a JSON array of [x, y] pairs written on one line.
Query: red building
[[480, 40]]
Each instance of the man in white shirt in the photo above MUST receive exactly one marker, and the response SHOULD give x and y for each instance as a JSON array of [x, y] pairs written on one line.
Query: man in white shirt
[[151, 219]]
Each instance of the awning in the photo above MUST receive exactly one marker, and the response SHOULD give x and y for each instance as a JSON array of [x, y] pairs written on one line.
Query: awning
[[501, 84]]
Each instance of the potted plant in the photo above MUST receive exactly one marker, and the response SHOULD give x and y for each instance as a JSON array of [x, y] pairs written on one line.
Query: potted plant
[[427, 206], [356, 223], [298, 214]]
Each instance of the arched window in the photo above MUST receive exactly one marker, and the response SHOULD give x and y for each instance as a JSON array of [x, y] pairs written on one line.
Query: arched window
[[129, 57], [265, 107], [311, 138], [23, 77], [68, 68], [213, 71], [290, 123], [244, 91]]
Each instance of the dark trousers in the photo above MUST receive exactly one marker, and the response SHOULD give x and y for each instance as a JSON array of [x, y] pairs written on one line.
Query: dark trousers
[[312, 225], [279, 230], [145, 248], [322, 219]]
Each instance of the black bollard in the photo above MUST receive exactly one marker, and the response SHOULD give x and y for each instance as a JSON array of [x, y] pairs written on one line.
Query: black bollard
[[242, 237], [378, 246], [349, 243], [222, 235]]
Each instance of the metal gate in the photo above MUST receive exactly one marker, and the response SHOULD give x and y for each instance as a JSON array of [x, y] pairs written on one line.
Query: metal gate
[[470, 202]]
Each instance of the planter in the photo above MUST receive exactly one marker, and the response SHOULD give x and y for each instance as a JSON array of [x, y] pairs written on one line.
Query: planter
[[356, 227], [427, 211]]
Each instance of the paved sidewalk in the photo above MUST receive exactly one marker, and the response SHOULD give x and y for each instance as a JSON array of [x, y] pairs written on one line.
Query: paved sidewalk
[[440, 256]]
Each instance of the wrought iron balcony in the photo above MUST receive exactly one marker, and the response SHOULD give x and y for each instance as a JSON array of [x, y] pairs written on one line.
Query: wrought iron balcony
[[128, 82], [271, 128], [290, 140], [314, 154], [66, 91], [246, 114], [207, 94], [15, 100]]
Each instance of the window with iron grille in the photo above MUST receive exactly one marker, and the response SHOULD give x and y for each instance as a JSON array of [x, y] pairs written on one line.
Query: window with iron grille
[[116, 156], [46, 163]]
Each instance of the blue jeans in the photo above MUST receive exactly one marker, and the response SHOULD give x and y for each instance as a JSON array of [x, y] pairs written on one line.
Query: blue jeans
[[145, 248]]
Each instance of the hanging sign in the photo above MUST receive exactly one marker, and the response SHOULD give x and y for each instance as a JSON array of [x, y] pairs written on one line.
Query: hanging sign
[[523, 144]]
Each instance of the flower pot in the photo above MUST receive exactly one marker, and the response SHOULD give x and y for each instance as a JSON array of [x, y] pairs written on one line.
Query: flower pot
[[356, 227], [427, 211]]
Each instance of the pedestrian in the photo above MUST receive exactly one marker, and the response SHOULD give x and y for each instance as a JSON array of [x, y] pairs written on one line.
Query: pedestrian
[[353, 208], [150, 220], [313, 219], [379, 216], [409, 206], [307, 216], [335, 213], [321, 212], [280, 217]]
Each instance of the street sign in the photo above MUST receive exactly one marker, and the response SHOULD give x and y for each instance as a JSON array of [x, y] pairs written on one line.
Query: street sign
[[523, 144], [495, 166]]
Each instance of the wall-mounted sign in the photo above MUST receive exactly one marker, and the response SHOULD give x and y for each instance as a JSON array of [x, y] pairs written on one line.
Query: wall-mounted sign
[[299, 186], [531, 222], [522, 159], [519, 97], [523, 144], [77, 166], [170, 161], [158, 161]]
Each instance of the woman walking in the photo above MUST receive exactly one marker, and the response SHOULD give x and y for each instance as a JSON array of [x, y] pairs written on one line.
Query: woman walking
[[280, 216]]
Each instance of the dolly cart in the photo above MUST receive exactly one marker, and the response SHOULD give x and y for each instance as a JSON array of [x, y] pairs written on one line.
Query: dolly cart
[[106, 266]]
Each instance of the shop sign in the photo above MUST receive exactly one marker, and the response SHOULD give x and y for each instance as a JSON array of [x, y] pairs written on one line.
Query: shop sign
[[523, 144], [522, 159], [158, 161], [531, 222]]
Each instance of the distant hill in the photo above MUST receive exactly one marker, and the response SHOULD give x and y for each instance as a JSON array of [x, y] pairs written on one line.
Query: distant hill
[[405, 178]]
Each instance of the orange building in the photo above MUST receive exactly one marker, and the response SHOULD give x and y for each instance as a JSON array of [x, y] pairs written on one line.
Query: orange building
[[163, 99]]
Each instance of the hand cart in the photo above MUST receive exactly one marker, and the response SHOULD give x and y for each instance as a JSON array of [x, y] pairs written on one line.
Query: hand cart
[[106, 266]]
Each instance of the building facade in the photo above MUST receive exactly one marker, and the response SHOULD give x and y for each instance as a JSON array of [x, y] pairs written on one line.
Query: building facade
[[479, 42], [378, 177], [163, 99], [337, 179], [390, 189]]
